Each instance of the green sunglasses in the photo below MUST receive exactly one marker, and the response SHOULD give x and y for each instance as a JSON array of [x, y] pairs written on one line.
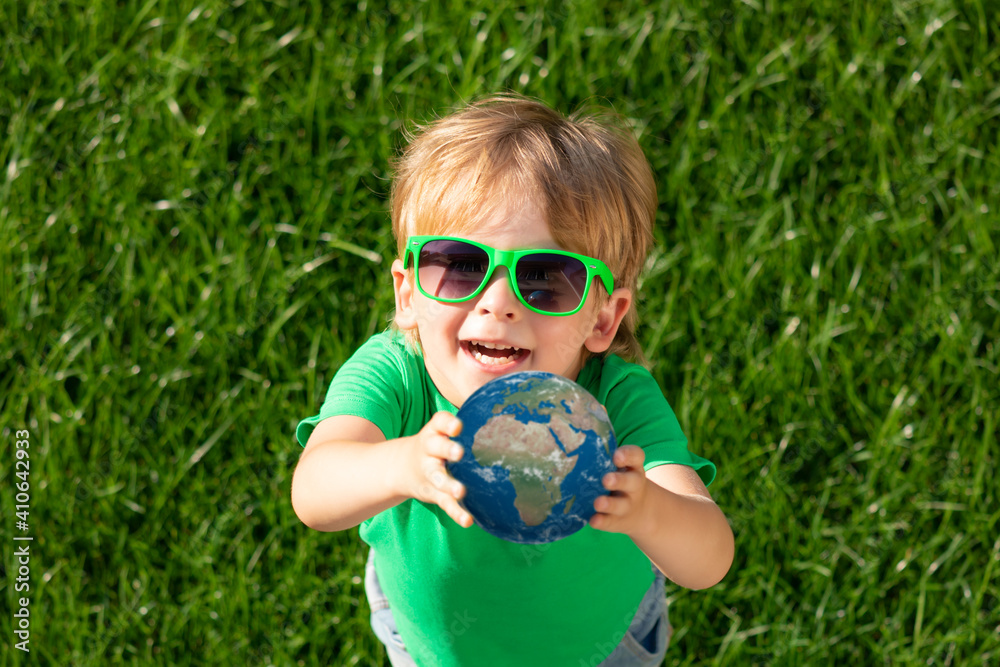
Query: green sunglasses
[[550, 282]]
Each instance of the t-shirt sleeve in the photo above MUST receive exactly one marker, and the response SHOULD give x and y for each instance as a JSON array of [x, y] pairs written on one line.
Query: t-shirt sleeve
[[642, 416], [370, 385]]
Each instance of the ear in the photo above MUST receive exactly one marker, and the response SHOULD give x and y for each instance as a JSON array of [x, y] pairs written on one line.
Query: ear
[[609, 317], [402, 285]]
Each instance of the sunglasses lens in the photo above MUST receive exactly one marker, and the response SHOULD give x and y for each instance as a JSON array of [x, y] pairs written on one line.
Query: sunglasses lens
[[551, 283], [451, 269]]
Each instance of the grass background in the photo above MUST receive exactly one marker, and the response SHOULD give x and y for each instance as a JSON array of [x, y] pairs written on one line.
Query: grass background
[[193, 237]]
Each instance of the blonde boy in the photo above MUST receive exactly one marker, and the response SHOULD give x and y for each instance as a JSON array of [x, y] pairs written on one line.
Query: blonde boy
[[508, 174]]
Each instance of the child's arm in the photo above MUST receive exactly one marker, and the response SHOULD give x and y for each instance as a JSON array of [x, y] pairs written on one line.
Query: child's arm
[[670, 516], [349, 472]]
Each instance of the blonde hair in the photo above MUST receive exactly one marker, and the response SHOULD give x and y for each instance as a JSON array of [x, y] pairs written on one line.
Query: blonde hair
[[585, 172]]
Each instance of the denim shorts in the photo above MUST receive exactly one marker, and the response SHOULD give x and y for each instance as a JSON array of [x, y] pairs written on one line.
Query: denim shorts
[[644, 644]]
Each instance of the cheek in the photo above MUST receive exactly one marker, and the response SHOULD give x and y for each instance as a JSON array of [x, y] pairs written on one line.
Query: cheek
[[436, 316], [568, 341]]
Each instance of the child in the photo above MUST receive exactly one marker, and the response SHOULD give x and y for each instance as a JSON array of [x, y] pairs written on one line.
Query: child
[[509, 173]]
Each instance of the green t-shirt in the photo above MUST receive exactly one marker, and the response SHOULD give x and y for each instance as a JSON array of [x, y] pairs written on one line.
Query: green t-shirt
[[461, 596]]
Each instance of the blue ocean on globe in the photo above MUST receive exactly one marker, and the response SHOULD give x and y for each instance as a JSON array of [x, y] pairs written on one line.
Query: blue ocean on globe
[[536, 447]]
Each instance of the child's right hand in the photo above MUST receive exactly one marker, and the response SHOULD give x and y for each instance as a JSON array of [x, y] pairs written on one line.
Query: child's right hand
[[422, 470]]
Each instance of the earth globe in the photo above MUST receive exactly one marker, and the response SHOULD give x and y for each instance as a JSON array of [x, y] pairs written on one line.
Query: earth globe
[[536, 447]]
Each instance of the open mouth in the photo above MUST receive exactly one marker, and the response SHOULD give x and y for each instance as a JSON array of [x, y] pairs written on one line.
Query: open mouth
[[494, 354]]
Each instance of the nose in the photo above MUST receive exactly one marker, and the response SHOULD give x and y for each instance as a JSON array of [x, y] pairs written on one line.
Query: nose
[[497, 299]]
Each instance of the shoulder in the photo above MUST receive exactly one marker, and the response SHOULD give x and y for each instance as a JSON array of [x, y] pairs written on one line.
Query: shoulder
[[638, 409], [389, 347], [603, 376], [381, 382], [384, 368], [388, 342]]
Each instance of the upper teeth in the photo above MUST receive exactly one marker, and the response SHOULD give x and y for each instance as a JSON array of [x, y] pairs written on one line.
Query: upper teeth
[[510, 353], [494, 346]]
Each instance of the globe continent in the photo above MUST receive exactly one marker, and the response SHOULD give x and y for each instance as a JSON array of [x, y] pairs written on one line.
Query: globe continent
[[537, 446]]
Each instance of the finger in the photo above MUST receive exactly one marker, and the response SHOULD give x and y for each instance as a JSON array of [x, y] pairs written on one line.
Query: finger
[[627, 480], [629, 456], [445, 423], [443, 448], [612, 505], [458, 514], [445, 483], [605, 522], [611, 481]]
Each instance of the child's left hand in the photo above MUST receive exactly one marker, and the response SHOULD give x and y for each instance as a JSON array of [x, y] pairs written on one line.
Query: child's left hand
[[622, 511]]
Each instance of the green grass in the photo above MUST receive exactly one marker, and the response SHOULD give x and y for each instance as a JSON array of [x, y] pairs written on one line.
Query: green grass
[[193, 237]]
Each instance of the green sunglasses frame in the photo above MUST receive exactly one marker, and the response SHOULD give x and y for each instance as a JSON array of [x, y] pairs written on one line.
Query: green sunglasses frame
[[508, 259]]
